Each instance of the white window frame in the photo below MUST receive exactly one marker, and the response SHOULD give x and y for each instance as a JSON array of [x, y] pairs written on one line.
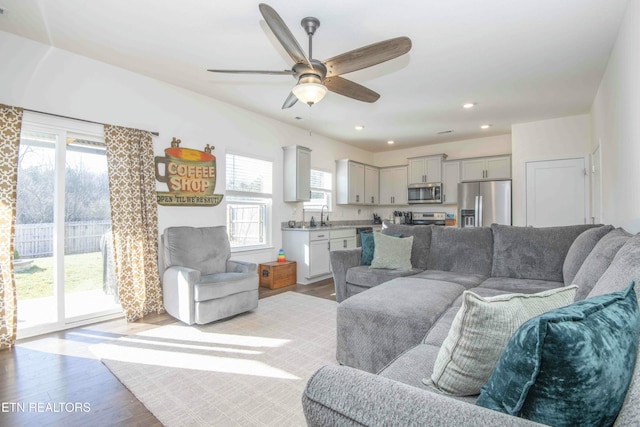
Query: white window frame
[[234, 197], [314, 208], [62, 128]]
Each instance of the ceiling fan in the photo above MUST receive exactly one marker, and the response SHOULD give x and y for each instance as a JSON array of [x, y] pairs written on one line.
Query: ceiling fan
[[315, 77]]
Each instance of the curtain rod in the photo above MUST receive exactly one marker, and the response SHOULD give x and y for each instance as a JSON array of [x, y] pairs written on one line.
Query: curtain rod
[[74, 118]]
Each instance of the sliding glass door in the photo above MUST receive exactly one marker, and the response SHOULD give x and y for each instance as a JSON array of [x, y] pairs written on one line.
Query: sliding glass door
[[64, 268]]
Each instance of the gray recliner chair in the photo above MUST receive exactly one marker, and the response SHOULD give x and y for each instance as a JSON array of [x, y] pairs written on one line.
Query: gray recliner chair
[[200, 283]]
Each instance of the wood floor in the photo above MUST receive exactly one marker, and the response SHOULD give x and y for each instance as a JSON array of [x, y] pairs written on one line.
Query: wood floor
[[55, 380]]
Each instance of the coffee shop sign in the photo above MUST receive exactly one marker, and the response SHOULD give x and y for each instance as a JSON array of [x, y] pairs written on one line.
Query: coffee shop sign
[[190, 176]]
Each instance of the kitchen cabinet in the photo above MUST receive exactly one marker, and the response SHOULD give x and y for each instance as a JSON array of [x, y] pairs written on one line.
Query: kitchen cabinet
[[393, 185], [310, 249], [371, 185], [342, 239], [450, 180], [425, 169], [297, 173], [319, 258], [356, 183], [485, 168]]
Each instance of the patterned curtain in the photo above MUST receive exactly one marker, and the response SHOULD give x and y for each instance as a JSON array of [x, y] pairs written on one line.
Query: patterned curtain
[[10, 124], [134, 220]]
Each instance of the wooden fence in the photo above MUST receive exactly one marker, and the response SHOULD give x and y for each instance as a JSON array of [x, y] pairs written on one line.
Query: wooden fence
[[36, 240]]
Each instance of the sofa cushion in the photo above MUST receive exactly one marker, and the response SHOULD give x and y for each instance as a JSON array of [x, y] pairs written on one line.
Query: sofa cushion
[[362, 275], [465, 279], [375, 326], [580, 249], [571, 366], [413, 365], [462, 250], [524, 286], [421, 241], [391, 252], [598, 261], [532, 253], [480, 330], [624, 268], [205, 249]]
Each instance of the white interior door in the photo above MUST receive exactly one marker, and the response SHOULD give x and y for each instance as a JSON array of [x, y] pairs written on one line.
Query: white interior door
[[556, 192], [596, 187]]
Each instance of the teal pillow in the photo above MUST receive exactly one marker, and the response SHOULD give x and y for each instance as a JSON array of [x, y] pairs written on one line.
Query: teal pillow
[[366, 241], [368, 246], [570, 366]]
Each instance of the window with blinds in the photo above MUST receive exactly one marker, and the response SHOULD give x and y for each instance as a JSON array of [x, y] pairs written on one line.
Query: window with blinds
[[320, 187], [248, 195], [249, 175]]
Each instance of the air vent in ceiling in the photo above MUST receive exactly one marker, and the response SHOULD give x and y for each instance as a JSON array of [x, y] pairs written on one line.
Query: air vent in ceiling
[[442, 132]]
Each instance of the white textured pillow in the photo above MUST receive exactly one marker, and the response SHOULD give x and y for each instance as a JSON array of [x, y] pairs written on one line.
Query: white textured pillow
[[391, 252], [480, 331]]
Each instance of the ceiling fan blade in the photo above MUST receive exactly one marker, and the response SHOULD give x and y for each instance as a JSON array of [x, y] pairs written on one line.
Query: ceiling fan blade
[[283, 72], [291, 99], [367, 56], [284, 36], [350, 89]]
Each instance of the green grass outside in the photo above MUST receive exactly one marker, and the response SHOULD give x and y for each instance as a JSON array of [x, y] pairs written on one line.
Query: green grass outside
[[82, 272]]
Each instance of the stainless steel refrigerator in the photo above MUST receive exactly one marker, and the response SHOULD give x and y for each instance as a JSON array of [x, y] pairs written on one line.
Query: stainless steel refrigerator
[[483, 203]]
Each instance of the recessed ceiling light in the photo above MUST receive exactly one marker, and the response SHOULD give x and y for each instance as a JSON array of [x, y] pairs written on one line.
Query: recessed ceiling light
[[487, 126], [469, 105], [391, 141], [359, 127]]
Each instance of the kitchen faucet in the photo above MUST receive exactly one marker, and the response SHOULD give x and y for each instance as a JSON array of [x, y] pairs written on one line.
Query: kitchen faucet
[[322, 223]]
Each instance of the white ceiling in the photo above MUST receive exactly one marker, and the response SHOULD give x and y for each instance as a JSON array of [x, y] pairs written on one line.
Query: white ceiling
[[519, 60]]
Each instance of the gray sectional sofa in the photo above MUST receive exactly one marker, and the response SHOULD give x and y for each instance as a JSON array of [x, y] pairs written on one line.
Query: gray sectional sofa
[[391, 324]]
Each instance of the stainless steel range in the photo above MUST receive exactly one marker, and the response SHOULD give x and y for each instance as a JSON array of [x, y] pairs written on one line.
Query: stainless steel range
[[428, 218]]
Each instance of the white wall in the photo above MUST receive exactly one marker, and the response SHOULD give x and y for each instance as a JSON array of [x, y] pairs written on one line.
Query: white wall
[[616, 126], [478, 147], [562, 138], [43, 78]]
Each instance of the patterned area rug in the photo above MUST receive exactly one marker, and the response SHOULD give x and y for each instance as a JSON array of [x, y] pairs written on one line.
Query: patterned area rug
[[250, 370]]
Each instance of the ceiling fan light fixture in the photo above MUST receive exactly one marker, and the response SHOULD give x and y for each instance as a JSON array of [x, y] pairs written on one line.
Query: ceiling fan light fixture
[[309, 93]]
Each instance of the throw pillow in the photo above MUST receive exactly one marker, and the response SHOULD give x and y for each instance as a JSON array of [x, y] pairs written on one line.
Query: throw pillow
[[598, 261], [366, 241], [571, 366], [391, 252], [580, 250], [368, 246], [481, 329]]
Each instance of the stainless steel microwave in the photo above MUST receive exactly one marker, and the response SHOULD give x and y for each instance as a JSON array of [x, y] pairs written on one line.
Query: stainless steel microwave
[[425, 193]]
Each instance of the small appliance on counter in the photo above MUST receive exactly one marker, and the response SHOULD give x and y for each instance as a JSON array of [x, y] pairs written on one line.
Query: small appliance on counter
[[377, 219], [428, 218]]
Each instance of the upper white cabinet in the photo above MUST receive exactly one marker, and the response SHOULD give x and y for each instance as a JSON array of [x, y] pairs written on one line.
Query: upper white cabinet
[[356, 183], [297, 173], [485, 168], [371, 185], [450, 180], [425, 169], [393, 185]]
